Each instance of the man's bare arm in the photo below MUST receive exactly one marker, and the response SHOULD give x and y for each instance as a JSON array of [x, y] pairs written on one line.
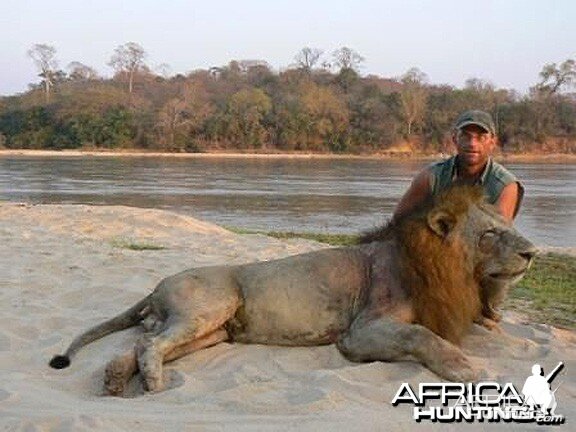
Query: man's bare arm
[[417, 193], [508, 201]]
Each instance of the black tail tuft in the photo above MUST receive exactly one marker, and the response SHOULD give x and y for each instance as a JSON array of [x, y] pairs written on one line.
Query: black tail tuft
[[60, 362]]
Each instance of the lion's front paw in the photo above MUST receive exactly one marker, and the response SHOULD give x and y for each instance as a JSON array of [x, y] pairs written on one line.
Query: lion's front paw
[[492, 314], [461, 372], [489, 324], [456, 367]]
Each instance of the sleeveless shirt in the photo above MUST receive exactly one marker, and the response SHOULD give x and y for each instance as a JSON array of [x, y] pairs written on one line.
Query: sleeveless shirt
[[493, 179]]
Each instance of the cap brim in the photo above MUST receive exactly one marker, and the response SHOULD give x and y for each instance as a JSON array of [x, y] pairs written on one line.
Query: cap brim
[[468, 123]]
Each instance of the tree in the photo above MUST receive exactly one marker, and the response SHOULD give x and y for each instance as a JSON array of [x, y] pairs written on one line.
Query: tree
[[307, 58], [81, 72], [245, 114], [327, 117], [44, 57], [128, 59], [374, 121], [258, 73], [182, 115], [164, 70], [247, 104], [479, 86], [413, 97], [482, 94], [555, 77], [346, 58]]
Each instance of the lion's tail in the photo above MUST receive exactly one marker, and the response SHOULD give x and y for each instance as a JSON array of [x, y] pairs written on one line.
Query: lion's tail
[[122, 321]]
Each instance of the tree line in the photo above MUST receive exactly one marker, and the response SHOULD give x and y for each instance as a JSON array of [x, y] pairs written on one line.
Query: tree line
[[318, 104]]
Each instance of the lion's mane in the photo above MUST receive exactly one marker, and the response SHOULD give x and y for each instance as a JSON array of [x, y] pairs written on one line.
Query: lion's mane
[[438, 270]]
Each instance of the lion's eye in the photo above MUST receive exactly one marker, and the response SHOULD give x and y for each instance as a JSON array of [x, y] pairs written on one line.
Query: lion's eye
[[487, 240]]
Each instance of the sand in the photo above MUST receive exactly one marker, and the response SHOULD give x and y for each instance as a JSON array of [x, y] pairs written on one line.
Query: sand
[[65, 268]]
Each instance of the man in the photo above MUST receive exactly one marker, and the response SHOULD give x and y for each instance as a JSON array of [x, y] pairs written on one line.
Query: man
[[475, 138]]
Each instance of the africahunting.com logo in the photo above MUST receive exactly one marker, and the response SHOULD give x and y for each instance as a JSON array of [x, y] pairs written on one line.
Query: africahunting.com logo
[[485, 401]]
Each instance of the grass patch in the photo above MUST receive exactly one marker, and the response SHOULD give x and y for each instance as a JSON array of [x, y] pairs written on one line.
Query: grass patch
[[548, 291], [331, 239], [135, 245]]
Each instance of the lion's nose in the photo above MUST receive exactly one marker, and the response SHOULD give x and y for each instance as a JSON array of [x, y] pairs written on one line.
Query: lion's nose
[[529, 253]]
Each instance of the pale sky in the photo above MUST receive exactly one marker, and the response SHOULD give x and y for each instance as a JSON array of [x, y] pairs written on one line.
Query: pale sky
[[506, 42]]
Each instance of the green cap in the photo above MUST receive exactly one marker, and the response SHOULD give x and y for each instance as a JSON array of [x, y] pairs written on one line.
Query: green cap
[[478, 118]]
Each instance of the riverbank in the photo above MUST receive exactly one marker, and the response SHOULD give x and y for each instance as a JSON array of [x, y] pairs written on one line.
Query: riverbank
[[531, 158], [66, 267]]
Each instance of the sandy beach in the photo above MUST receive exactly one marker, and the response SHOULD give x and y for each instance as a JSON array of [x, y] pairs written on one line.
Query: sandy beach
[[65, 268]]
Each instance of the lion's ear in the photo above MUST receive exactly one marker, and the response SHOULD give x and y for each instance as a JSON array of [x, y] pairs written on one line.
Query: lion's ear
[[441, 222]]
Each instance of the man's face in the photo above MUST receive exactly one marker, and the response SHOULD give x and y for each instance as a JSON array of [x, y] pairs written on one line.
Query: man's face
[[474, 145]]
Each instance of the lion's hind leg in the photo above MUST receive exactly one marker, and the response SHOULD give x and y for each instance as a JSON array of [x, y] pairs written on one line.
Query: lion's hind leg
[[179, 337], [385, 339], [122, 368], [192, 305]]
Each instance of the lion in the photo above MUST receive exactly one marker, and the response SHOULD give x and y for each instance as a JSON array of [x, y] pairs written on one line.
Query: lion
[[408, 291]]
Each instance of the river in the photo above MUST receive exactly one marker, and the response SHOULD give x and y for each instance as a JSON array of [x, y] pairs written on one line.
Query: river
[[279, 194]]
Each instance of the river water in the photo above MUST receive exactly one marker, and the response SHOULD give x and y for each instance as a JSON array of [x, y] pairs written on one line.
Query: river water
[[280, 194]]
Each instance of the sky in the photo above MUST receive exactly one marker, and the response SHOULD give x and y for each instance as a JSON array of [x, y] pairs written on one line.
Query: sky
[[505, 42]]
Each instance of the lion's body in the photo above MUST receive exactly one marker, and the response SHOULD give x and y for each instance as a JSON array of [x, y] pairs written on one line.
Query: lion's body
[[263, 296], [332, 282], [412, 291]]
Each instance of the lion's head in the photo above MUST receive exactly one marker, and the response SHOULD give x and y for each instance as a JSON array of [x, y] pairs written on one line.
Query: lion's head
[[450, 249]]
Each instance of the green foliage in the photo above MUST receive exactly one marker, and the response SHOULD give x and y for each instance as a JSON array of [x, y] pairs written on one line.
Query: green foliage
[[245, 115], [331, 239], [77, 117], [548, 290], [245, 105], [134, 245], [32, 128]]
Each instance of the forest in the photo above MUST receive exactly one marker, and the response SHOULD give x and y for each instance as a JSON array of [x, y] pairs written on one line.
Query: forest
[[317, 104]]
